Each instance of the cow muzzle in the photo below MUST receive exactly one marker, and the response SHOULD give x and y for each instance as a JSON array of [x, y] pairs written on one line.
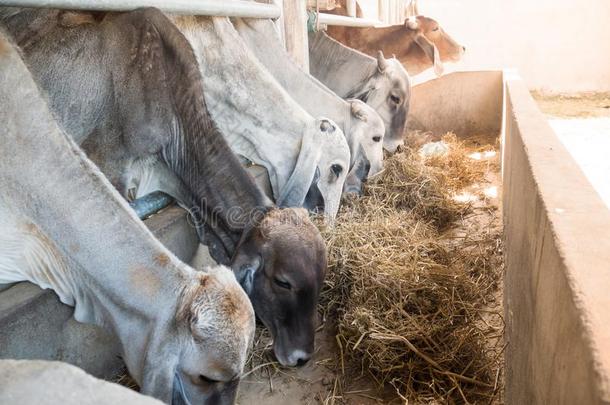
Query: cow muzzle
[[294, 349], [293, 358], [186, 393]]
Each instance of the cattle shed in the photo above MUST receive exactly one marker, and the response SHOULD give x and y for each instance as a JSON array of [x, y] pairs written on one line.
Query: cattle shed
[[552, 327]]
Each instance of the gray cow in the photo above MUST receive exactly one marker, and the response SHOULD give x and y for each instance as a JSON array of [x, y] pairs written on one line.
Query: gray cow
[[262, 123], [362, 126], [184, 334], [128, 89], [382, 83]]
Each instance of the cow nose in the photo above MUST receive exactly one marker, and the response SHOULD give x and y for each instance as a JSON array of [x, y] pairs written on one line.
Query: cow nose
[[300, 358], [302, 362], [326, 126], [464, 48]]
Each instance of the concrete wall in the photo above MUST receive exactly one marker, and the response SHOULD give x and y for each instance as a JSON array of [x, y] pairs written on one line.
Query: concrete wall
[[557, 45], [557, 282], [466, 103], [32, 382]]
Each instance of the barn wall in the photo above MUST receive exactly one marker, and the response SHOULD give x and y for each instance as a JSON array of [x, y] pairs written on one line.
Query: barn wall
[[557, 45], [557, 281]]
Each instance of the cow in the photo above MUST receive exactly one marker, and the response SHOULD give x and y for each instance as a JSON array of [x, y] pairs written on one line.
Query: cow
[[360, 123], [184, 334], [127, 88], [382, 83], [419, 44], [263, 124]]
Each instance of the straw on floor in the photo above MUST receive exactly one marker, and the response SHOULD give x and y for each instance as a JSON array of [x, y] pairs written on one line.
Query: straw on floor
[[406, 297]]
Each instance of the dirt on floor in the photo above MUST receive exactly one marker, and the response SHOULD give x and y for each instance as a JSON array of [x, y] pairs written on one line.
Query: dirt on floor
[[580, 105]]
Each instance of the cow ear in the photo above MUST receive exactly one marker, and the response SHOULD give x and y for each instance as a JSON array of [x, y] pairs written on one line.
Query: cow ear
[[358, 111], [431, 52], [245, 267], [294, 192]]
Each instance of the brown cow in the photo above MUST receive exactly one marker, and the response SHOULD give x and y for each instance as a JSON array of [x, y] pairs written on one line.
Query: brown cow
[[420, 43]]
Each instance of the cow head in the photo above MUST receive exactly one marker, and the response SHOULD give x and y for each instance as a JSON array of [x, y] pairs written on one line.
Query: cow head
[[217, 323], [319, 174], [436, 44], [281, 264], [365, 143], [388, 92]]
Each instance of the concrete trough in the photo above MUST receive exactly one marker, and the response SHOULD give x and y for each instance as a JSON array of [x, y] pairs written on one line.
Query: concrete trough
[[557, 247], [557, 239], [557, 283]]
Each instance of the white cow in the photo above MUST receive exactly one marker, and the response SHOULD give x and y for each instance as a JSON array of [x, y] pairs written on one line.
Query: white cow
[[184, 334], [263, 123], [361, 124]]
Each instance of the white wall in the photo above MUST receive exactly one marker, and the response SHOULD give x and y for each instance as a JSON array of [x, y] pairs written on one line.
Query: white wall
[[557, 45]]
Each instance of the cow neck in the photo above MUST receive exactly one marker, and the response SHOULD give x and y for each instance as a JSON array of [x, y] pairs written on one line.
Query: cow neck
[[381, 35], [333, 61], [110, 266], [223, 195], [316, 98], [394, 40]]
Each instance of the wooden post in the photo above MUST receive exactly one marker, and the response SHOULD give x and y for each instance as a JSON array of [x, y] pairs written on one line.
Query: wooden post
[[279, 23], [350, 5], [295, 31]]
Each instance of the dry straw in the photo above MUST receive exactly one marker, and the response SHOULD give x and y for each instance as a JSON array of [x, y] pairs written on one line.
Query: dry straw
[[407, 299]]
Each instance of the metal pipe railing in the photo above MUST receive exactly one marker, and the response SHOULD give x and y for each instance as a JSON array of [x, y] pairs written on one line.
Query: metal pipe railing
[[331, 19], [229, 8], [151, 204]]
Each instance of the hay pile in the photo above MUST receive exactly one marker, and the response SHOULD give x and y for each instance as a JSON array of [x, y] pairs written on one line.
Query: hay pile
[[411, 285], [407, 298]]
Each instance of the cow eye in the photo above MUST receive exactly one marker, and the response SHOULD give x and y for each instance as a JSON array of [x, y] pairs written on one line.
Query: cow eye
[[436, 29], [376, 138], [395, 99], [337, 169], [282, 284], [206, 380]]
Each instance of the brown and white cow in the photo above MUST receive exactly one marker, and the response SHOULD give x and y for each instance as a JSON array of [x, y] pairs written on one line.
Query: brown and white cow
[[419, 43]]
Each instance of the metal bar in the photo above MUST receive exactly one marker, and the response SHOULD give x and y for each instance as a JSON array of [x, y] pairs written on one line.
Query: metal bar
[[229, 8], [151, 204], [330, 19]]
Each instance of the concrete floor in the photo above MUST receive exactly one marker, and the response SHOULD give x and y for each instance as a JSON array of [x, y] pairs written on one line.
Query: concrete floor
[[588, 140]]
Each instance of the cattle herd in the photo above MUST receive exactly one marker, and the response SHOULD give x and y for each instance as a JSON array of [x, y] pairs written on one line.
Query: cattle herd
[[100, 108]]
